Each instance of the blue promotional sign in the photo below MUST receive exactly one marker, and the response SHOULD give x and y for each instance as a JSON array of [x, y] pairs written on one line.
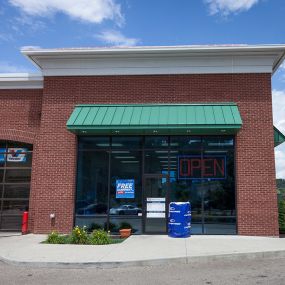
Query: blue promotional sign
[[2, 154], [125, 188]]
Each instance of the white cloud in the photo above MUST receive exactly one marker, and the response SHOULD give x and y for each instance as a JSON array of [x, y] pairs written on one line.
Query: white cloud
[[30, 47], [278, 100], [226, 7], [93, 11], [6, 67], [116, 38], [280, 162]]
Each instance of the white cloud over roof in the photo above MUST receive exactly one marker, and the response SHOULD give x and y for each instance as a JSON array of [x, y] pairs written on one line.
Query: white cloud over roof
[[226, 7], [93, 11], [116, 38]]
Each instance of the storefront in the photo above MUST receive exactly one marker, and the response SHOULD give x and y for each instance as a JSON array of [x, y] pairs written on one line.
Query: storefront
[[107, 137], [159, 169], [130, 180]]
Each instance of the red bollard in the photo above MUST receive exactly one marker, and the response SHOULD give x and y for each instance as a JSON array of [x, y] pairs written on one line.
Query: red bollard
[[25, 223]]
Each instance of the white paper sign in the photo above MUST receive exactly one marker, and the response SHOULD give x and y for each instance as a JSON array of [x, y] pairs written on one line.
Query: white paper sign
[[155, 207]]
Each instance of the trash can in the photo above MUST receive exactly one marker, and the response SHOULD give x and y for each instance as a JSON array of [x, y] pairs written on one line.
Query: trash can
[[179, 220]]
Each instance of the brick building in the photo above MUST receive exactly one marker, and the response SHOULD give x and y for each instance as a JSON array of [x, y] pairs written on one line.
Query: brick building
[[183, 123]]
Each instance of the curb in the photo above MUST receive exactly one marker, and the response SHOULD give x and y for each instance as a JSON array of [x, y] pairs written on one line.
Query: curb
[[150, 262]]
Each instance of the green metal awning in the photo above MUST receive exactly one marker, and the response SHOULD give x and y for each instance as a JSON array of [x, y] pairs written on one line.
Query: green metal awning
[[279, 138], [223, 118]]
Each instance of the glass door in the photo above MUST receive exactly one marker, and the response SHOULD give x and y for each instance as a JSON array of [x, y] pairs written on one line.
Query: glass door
[[155, 203]]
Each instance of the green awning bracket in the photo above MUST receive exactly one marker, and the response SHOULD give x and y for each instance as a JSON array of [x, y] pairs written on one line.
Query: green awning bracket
[[279, 138], [155, 119]]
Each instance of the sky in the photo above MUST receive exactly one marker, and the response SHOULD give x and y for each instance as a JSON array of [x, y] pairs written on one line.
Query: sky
[[89, 23]]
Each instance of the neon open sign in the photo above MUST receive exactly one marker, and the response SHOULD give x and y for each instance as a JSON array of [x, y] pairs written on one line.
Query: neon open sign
[[206, 167]]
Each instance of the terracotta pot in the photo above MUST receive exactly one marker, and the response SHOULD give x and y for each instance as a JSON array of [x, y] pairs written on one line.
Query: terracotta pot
[[124, 233]]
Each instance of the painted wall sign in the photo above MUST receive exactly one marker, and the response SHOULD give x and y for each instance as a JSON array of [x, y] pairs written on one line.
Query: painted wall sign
[[155, 207], [17, 155], [207, 167], [125, 188]]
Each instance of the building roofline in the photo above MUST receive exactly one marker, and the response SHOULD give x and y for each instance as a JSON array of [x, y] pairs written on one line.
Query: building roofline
[[168, 54], [21, 81]]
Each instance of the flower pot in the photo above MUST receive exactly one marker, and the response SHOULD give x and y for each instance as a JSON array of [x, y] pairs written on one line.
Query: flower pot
[[124, 233]]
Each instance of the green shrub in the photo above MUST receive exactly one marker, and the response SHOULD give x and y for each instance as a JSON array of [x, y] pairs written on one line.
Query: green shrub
[[79, 235], [99, 237], [281, 208], [125, 225], [55, 238], [112, 227], [94, 226]]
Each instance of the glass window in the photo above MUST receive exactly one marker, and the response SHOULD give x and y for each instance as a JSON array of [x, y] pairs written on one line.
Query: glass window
[[157, 162], [11, 223], [11, 144], [126, 212], [17, 191], [92, 189], [93, 143], [215, 142], [17, 175], [1, 175], [127, 142], [18, 159], [14, 207], [185, 142], [156, 142]]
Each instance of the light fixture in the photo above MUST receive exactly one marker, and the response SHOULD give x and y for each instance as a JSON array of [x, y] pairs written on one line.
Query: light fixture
[[125, 157]]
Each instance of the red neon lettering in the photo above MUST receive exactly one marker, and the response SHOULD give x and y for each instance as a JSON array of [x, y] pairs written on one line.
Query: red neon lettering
[[205, 167], [182, 163], [193, 166], [220, 167]]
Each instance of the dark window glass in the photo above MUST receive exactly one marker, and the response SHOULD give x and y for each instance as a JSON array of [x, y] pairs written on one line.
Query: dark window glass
[[127, 142], [1, 175], [185, 142], [93, 143], [92, 189], [13, 207], [218, 142], [17, 175], [156, 142], [157, 162], [126, 212], [19, 145], [11, 222], [17, 191]]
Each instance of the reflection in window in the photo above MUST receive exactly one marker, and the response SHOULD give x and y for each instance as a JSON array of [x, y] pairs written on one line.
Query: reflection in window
[[15, 177], [92, 189], [126, 167]]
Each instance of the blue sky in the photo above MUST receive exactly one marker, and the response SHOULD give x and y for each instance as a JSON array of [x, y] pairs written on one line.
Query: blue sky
[[88, 23]]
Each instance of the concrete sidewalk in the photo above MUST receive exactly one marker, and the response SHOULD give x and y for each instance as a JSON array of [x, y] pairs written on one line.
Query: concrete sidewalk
[[137, 250]]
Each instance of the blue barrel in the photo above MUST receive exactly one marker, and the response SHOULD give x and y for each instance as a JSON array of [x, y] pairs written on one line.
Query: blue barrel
[[179, 220]]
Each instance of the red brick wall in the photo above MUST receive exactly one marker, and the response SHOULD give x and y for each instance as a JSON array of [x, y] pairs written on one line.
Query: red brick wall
[[20, 121], [54, 178]]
